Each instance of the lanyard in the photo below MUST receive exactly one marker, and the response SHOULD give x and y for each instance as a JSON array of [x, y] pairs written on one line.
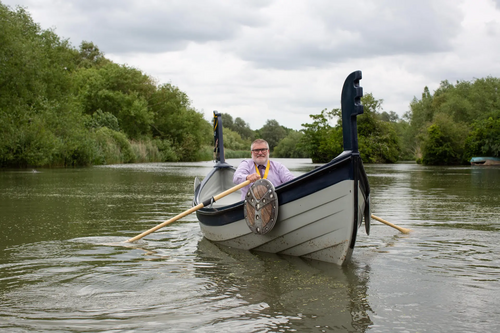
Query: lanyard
[[267, 169]]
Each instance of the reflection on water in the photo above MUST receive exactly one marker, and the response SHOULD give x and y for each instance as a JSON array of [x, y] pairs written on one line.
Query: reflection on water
[[64, 265], [303, 294], [99, 283]]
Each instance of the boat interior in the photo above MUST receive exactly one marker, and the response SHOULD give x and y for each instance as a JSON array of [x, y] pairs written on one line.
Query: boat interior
[[220, 181]]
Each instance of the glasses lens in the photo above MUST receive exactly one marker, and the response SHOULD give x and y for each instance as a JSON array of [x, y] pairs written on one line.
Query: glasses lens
[[263, 150]]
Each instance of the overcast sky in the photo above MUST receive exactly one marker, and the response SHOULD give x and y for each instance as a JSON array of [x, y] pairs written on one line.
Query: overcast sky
[[286, 59]]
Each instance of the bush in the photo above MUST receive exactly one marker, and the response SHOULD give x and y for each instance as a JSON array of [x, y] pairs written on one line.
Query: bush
[[444, 142], [167, 151], [484, 139], [145, 151], [113, 147], [290, 146], [237, 153], [102, 119]]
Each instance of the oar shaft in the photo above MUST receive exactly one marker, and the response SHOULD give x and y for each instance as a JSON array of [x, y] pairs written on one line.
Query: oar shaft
[[173, 219], [189, 211], [403, 230]]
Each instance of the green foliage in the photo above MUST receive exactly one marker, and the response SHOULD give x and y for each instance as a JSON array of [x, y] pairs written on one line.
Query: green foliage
[[484, 139], [62, 106], [206, 153], [90, 56], [237, 153], [113, 147], [243, 129], [453, 113], [145, 151], [437, 148], [167, 150], [239, 126], [322, 141], [177, 121], [406, 143], [290, 146], [389, 116], [377, 139], [102, 119], [25, 141], [273, 133], [48, 133], [232, 140], [33, 62], [120, 91], [444, 142]]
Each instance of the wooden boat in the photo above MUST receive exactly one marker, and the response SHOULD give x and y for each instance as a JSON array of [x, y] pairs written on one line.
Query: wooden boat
[[319, 212], [485, 161]]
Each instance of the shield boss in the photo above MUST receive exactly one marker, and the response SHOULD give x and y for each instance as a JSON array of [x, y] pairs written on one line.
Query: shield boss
[[261, 207]]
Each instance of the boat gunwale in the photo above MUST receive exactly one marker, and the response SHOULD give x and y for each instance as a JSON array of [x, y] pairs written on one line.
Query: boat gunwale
[[346, 157]]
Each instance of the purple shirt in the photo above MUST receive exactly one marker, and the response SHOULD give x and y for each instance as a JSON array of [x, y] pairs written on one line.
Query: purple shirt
[[278, 174]]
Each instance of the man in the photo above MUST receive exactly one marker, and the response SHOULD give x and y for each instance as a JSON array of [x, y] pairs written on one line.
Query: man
[[273, 171]]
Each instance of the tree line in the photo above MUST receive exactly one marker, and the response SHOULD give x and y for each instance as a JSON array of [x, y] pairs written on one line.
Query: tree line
[[63, 106], [456, 122], [66, 106]]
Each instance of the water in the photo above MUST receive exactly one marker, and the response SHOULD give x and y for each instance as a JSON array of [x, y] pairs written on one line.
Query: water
[[64, 266]]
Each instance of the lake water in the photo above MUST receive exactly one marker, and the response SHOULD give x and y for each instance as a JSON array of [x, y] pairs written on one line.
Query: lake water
[[64, 266]]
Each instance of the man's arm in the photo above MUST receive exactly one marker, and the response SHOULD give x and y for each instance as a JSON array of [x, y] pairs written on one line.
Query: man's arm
[[245, 171], [285, 174]]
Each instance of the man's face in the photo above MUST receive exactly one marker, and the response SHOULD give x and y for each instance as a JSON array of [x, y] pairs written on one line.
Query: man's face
[[260, 153]]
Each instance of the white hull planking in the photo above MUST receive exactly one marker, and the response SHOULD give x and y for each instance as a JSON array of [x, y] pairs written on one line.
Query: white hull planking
[[319, 226]]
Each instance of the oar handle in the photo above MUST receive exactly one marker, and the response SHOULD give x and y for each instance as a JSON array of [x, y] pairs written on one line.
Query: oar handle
[[403, 230], [189, 211]]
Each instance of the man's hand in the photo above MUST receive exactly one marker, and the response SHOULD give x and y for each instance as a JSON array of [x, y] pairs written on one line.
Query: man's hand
[[253, 177]]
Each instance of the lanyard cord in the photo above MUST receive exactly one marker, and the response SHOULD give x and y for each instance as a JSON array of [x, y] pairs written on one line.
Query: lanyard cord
[[267, 169]]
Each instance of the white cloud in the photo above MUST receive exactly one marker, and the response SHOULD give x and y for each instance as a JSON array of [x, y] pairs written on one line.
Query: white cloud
[[286, 59]]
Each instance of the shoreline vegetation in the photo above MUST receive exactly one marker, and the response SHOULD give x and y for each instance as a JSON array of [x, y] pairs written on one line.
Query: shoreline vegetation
[[62, 106]]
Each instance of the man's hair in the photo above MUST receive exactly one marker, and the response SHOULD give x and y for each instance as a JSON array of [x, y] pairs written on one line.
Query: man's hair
[[259, 141]]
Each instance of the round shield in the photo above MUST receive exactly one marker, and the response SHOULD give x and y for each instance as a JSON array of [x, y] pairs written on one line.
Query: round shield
[[261, 207]]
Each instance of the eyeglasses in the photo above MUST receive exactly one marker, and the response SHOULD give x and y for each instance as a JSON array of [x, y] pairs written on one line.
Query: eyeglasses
[[263, 150]]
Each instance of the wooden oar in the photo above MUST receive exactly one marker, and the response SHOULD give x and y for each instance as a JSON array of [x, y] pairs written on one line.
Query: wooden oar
[[403, 230], [189, 211]]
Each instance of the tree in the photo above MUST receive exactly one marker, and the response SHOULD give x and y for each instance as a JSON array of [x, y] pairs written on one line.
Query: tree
[[378, 142], [321, 141], [290, 146], [119, 90], [462, 108], [177, 121], [242, 127], [90, 56], [389, 117], [233, 140], [239, 126], [227, 121], [444, 142], [484, 139], [40, 123], [273, 133]]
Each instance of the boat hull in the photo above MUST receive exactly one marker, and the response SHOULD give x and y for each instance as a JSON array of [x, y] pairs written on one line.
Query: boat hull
[[318, 216], [485, 161]]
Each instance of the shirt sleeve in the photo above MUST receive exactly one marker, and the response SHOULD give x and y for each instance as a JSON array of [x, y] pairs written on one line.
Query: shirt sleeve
[[241, 173], [285, 174]]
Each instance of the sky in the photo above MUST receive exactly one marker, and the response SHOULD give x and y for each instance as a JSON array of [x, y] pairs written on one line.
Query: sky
[[285, 59]]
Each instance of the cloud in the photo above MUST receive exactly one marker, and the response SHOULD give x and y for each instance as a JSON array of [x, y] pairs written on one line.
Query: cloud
[[126, 26], [312, 34]]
